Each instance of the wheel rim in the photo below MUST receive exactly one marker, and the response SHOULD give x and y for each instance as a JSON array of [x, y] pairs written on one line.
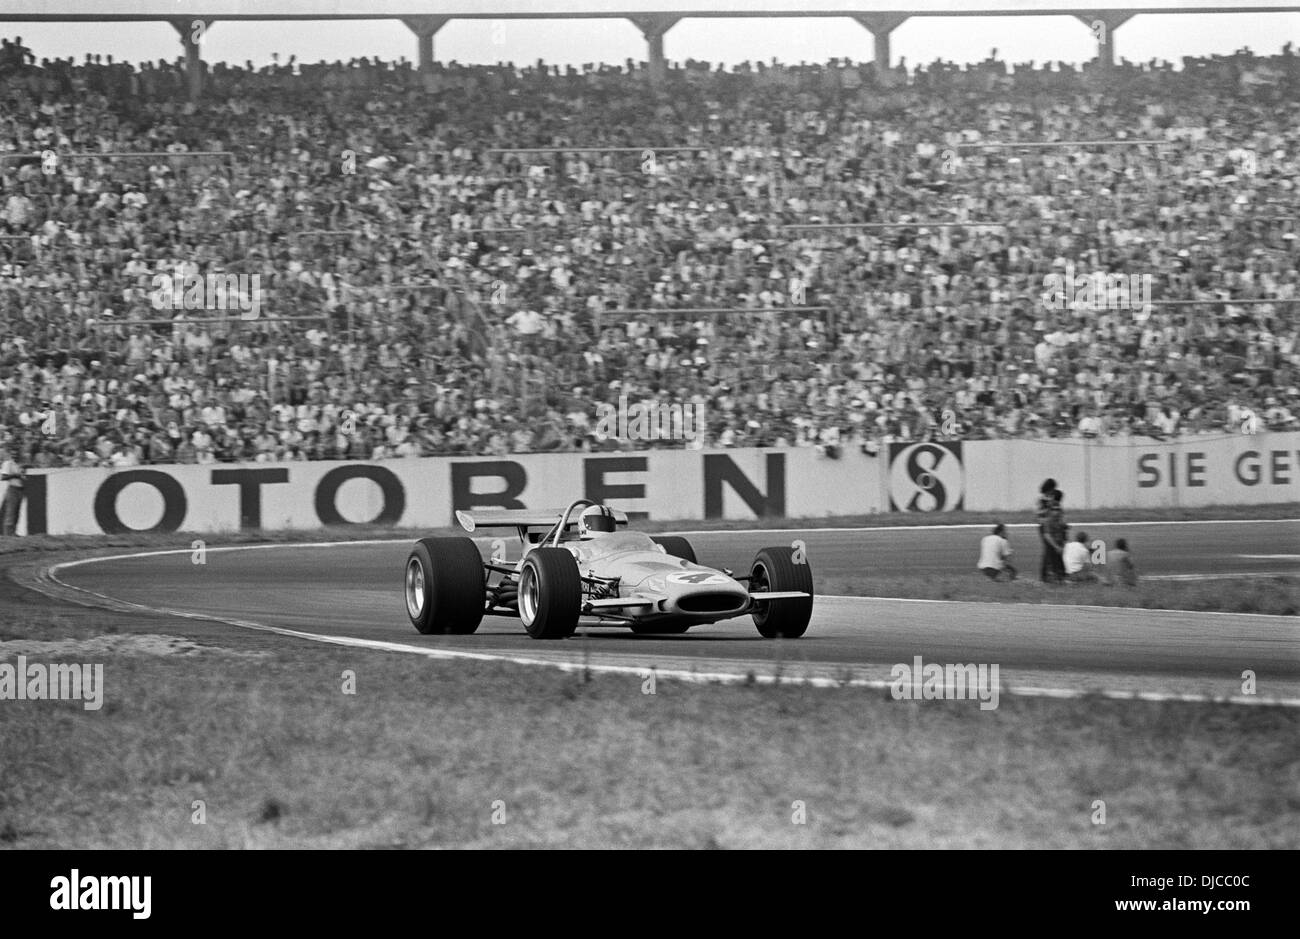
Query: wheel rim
[[529, 596], [414, 588]]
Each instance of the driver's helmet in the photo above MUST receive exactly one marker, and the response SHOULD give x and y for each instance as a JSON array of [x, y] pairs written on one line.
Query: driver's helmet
[[595, 520]]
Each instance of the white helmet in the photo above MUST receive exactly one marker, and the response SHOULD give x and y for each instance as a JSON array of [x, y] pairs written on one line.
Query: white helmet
[[595, 520]]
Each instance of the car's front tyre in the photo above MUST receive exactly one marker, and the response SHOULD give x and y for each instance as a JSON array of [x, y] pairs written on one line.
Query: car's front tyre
[[550, 593], [775, 569]]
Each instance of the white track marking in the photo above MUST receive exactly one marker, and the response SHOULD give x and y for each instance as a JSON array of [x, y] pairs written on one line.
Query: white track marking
[[1289, 620], [224, 548], [1271, 557], [1241, 575], [981, 525], [748, 676]]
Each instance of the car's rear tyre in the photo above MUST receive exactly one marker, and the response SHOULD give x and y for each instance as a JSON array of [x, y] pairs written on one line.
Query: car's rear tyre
[[677, 546], [550, 593], [666, 627], [776, 569], [445, 586]]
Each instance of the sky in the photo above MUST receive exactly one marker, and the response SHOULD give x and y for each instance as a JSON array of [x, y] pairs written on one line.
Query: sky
[[574, 42]]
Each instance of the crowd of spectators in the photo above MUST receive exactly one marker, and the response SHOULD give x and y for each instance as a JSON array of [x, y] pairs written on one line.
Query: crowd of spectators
[[426, 288]]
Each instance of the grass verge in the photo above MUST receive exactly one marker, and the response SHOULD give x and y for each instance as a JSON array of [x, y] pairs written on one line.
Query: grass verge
[[463, 754]]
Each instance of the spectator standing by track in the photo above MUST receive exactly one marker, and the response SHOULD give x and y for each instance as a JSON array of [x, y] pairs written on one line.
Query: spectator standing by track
[[1055, 535], [11, 478], [1042, 513]]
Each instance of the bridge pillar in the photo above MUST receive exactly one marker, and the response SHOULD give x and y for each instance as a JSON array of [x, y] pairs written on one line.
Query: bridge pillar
[[653, 26], [1103, 26], [425, 28], [880, 26]]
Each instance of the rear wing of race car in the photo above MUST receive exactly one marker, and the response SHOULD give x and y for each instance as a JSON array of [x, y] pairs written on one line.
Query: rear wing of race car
[[521, 519]]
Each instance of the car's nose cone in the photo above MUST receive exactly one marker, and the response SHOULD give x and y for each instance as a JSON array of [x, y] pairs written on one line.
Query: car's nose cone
[[697, 593]]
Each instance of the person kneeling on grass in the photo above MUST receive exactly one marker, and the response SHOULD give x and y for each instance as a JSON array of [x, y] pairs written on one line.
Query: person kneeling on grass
[[1077, 560], [995, 554]]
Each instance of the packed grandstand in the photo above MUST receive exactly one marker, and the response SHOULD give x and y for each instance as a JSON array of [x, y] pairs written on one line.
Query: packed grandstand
[[426, 286]]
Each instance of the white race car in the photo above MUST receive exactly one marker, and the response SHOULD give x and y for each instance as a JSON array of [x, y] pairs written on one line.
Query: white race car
[[581, 561]]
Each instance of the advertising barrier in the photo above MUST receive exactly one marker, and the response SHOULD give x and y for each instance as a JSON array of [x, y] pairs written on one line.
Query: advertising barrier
[[924, 477], [670, 484], [1238, 469]]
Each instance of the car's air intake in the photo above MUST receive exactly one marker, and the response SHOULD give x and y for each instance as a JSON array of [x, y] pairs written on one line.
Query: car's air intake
[[711, 603]]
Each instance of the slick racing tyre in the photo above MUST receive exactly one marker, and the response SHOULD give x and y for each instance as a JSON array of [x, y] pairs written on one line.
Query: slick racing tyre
[[445, 586], [677, 546], [550, 593], [776, 569]]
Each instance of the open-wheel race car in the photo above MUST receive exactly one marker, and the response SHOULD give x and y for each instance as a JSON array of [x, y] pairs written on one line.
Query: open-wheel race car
[[583, 562]]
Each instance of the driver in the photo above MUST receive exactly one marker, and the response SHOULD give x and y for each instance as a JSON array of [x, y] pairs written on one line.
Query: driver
[[595, 520]]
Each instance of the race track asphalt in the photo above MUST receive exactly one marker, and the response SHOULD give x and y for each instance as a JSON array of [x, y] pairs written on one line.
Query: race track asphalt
[[354, 590]]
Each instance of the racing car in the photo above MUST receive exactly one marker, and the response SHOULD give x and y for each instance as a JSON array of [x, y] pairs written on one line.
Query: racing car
[[582, 561]]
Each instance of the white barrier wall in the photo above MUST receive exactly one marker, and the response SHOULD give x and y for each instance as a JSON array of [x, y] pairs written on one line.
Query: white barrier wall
[[664, 484], [1230, 470], [999, 475]]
